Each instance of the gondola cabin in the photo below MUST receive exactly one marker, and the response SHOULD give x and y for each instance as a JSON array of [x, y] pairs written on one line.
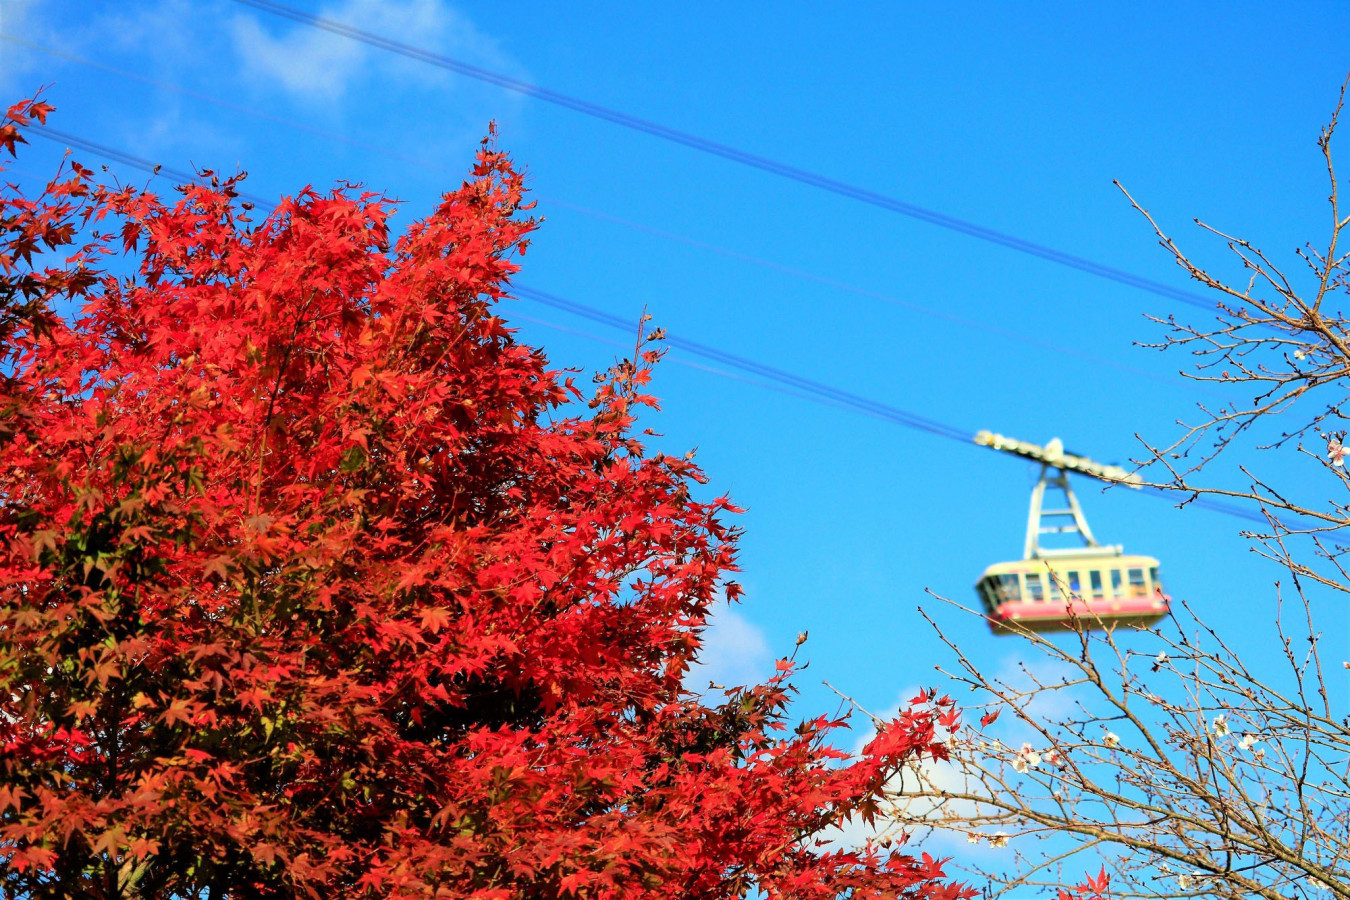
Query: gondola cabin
[[1049, 593], [1061, 588]]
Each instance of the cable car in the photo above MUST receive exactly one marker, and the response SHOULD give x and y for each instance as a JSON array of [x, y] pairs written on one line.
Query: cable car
[[1057, 589]]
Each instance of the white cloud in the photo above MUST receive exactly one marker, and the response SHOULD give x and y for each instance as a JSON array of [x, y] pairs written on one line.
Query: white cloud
[[735, 652], [1022, 674], [166, 39], [278, 67], [306, 62], [313, 64], [169, 32], [917, 816], [18, 63], [903, 816]]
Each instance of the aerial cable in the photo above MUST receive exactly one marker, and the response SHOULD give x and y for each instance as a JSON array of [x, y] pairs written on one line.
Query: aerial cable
[[680, 360], [625, 223], [800, 385], [725, 151], [805, 275], [821, 392], [135, 162], [809, 386], [772, 373]]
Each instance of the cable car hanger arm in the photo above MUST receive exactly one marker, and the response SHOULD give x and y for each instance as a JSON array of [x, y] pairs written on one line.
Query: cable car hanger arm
[[1053, 454]]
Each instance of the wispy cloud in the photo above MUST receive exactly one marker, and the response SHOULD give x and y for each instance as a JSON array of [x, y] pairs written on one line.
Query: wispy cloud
[[316, 65], [17, 64], [914, 815], [735, 652], [305, 62], [281, 69], [855, 832]]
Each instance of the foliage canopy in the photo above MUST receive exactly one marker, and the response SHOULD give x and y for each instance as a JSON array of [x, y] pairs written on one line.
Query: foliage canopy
[[313, 582]]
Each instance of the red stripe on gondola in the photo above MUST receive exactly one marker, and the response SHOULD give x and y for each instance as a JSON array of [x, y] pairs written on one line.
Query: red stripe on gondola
[[1029, 612]]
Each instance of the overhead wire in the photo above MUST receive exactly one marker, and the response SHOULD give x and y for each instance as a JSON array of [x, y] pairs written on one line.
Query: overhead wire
[[681, 361], [817, 390], [733, 154], [888, 299], [127, 159], [790, 389], [750, 259], [773, 373], [806, 387], [258, 202]]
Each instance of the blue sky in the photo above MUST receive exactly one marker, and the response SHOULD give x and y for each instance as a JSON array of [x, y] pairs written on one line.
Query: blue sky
[[1016, 117]]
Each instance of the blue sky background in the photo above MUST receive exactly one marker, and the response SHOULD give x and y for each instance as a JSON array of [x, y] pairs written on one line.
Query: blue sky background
[[1015, 116]]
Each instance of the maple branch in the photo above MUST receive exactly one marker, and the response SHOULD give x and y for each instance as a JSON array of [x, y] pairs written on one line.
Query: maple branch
[[272, 398]]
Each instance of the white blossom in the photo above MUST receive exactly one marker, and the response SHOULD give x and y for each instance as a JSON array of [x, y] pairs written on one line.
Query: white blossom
[[1336, 450], [1248, 741], [1111, 739], [1185, 882], [1220, 726], [1028, 758], [998, 839], [972, 838], [1161, 658]]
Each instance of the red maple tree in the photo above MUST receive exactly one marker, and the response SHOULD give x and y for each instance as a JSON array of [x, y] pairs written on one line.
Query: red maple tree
[[315, 582]]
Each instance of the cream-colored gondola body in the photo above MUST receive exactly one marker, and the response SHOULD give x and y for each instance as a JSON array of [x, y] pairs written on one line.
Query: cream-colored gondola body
[[1051, 589]]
